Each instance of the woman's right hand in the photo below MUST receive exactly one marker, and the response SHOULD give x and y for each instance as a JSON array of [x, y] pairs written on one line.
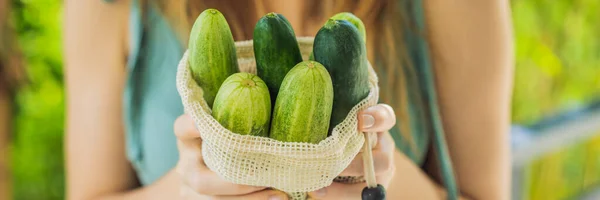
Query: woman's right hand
[[199, 182]]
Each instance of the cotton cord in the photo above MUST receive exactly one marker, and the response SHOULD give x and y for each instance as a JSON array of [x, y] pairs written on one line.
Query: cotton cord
[[368, 164]]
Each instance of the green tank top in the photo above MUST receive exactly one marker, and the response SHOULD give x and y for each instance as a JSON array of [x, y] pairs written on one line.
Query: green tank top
[[152, 103]]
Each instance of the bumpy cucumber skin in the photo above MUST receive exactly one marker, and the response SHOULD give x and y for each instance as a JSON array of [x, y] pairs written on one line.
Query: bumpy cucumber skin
[[276, 50], [212, 54], [243, 105], [339, 47], [354, 20], [303, 108]]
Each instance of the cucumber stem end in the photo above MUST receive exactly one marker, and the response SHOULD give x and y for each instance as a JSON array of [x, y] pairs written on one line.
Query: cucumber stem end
[[248, 83], [212, 11], [271, 15], [330, 23]]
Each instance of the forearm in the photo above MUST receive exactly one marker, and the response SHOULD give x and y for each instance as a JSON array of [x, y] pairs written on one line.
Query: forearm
[[165, 188], [410, 182]]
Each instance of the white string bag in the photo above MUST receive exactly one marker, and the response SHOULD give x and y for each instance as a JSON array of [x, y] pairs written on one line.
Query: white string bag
[[292, 167]]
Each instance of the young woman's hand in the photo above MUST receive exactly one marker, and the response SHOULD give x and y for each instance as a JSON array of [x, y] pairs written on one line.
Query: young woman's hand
[[380, 119], [199, 182]]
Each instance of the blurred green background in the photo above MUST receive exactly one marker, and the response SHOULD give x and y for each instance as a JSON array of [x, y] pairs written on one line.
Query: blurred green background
[[558, 69], [37, 150], [558, 56]]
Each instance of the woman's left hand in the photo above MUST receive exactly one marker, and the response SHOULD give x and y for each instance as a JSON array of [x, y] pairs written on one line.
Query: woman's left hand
[[380, 119]]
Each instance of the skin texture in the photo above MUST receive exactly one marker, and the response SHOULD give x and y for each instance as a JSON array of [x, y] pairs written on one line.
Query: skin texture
[[212, 54], [303, 105], [472, 56], [275, 49], [243, 105], [339, 47]]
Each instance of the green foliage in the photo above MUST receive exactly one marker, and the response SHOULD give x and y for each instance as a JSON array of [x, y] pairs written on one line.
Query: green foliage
[[37, 150], [565, 173], [558, 56], [558, 68]]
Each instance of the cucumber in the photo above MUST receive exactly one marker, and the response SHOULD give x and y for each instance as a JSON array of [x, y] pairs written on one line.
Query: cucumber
[[354, 20], [340, 48], [303, 106], [243, 105], [212, 54], [276, 50]]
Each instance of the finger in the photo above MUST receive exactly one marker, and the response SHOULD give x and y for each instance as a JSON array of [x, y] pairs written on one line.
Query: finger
[[204, 181], [345, 191], [186, 193], [260, 195], [379, 140], [385, 142], [186, 132], [189, 145], [378, 118], [381, 161], [383, 157], [194, 173], [184, 128], [339, 191]]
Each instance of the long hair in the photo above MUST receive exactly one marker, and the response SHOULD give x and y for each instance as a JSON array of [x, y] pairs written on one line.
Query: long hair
[[385, 21], [11, 73], [10, 76]]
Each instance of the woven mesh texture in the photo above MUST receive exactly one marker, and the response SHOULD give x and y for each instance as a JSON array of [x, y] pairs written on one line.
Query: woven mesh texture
[[295, 168]]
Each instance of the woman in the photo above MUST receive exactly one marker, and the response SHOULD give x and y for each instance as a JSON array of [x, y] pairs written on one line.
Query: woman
[[121, 58]]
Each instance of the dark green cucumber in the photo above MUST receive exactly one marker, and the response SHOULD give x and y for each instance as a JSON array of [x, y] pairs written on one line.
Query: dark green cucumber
[[303, 107], [243, 105], [340, 48], [354, 20], [276, 50], [212, 54]]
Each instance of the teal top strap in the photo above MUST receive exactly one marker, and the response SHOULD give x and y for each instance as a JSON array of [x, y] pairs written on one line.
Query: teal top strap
[[420, 54], [151, 101]]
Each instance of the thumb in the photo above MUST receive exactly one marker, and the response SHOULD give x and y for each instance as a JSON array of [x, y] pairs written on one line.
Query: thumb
[[378, 118]]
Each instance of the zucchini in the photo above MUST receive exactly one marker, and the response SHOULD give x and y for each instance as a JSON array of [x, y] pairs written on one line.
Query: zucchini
[[340, 48], [276, 50]]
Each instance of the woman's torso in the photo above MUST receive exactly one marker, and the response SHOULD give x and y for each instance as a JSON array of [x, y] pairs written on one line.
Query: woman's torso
[[151, 101]]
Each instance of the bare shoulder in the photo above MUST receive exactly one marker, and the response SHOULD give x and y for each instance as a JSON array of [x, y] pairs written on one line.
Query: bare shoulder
[[97, 23], [97, 9], [472, 37]]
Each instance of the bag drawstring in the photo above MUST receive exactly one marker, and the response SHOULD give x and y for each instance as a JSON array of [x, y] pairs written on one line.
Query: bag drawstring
[[373, 191]]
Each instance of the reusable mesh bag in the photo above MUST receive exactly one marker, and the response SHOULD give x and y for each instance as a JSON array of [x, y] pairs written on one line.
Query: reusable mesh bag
[[292, 167]]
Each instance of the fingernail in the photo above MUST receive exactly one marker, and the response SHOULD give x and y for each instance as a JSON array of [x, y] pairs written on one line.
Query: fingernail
[[367, 121], [321, 192]]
